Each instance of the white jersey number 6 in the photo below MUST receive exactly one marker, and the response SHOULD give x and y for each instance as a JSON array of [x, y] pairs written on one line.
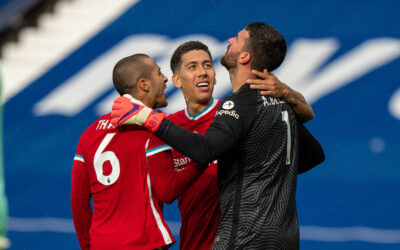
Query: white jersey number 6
[[100, 157]]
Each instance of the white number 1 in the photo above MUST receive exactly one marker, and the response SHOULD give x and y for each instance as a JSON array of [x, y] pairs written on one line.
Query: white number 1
[[100, 157], [285, 118]]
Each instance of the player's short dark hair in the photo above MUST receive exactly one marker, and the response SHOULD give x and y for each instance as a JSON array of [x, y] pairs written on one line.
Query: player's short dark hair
[[176, 59], [128, 71], [266, 46]]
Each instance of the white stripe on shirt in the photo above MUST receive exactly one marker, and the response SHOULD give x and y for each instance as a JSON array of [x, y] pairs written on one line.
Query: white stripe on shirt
[[158, 149], [213, 103], [163, 230], [79, 158]]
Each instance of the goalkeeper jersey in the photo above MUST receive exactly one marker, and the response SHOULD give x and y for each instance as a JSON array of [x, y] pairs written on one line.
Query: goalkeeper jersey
[[256, 141]]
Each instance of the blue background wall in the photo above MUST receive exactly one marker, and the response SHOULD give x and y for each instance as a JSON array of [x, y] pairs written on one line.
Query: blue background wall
[[349, 202]]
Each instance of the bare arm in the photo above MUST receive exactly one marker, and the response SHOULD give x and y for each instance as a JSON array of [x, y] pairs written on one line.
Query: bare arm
[[270, 85]]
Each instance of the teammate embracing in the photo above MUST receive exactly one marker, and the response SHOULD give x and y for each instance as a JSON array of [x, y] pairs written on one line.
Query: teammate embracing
[[194, 74]]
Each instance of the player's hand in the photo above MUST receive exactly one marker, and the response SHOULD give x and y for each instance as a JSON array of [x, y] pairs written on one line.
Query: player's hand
[[269, 84], [128, 110], [125, 110]]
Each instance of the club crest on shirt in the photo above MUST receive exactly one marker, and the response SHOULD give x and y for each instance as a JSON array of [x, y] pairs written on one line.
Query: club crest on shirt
[[228, 105]]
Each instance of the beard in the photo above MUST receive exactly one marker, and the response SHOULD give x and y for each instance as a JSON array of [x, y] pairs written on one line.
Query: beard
[[160, 103], [229, 60]]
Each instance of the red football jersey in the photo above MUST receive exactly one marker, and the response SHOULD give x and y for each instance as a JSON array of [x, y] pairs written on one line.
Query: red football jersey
[[111, 166], [199, 204]]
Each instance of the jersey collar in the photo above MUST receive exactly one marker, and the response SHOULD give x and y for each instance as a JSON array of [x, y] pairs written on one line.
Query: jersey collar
[[213, 103]]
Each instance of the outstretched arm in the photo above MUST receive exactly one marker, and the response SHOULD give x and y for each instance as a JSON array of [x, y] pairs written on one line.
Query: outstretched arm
[[222, 134], [270, 85]]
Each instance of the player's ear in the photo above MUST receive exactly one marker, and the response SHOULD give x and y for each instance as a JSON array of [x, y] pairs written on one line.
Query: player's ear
[[177, 81], [244, 57], [144, 84]]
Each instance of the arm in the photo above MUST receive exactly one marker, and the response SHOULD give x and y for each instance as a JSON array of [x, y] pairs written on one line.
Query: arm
[[223, 133], [226, 129], [272, 86], [310, 150], [80, 202], [167, 183], [203, 149]]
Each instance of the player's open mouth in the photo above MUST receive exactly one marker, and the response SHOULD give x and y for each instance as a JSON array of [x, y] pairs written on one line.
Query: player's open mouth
[[203, 85]]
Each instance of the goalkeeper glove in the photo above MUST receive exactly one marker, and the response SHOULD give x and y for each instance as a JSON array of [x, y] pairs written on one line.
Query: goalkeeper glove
[[128, 110]]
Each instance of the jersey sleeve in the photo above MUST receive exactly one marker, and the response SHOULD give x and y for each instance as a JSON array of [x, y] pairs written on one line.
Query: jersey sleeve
[[310, 150], [80, 200], [167, 183], [231, 121]]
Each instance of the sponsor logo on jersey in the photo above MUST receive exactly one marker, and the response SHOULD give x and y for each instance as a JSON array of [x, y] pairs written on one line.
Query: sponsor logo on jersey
[[181, 162], [226, 112], [228, 105]]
